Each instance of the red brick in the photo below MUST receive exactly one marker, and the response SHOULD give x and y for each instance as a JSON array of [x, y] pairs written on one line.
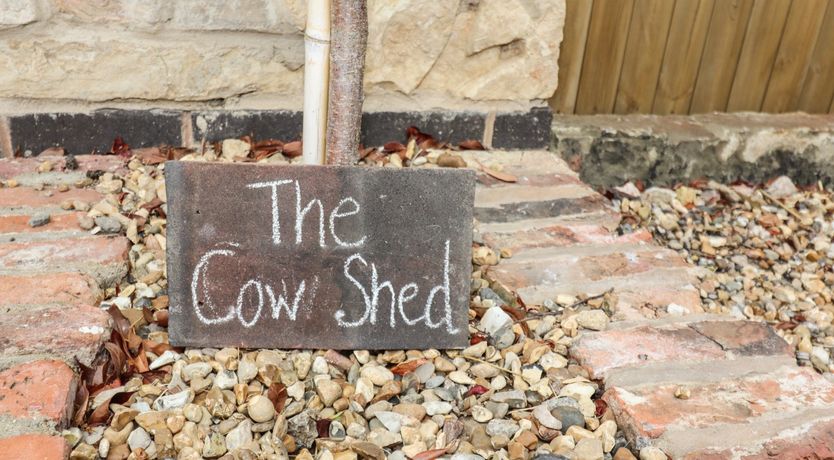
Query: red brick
[[49, 288], [39, 390], [11, 167], [71, 332], [616, 348], [648, 412], [54, 254], [745, 338], [57, 222], [814, 441], [26, 197], [567, 269], [562, 236], [34, 447]]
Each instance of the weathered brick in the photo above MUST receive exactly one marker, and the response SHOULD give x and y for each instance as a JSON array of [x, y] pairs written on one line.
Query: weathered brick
[[34, 447], [58, 222], [811, 439], [13, 167], [71, 332], [49, 288], [745, 338], [493, 197], [558, 268], [39, 390], [105, 258], [25, 198], [649, 412], [604, 351]]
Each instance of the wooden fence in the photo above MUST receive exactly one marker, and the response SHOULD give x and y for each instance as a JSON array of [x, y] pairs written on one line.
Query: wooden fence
[[696, 56]]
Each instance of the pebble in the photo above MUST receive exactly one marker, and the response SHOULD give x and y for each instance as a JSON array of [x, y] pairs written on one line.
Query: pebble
[[652, 453], [260, 409], [595, 320], [240, 436], [437, 408], [588, 449], [138, 439], [378, 375], [39, 219], [108, 224], [329, 391], [481, 414], [503, 427]]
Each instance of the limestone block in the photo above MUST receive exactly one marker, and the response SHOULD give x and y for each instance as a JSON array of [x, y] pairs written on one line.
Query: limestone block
[[14, 13], [100, 67]]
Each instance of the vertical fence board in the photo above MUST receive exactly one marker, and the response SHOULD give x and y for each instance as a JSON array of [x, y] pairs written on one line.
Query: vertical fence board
[[571, 55], [794, 55], [684, 47], [603, 56], [755, 64], [818, 87], [721, 50], [647, 37]]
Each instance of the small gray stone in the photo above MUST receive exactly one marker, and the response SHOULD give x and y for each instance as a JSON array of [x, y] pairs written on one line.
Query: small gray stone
[[514, 398], [497, 427], [39, 219], [138, 439], [108, 224], [569, 416]]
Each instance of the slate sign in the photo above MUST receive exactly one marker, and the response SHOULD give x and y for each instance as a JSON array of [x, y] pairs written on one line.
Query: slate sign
[[318, 256]]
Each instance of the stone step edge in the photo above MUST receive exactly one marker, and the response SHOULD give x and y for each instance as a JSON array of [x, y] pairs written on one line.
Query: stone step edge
[[603, 216], [688, 373], [752, 435], [18, 237], [544, 255], [12, 426], [106, 275], [677, 277]]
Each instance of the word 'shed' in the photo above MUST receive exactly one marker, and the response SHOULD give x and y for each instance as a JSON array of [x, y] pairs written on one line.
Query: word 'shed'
[[318, 256]]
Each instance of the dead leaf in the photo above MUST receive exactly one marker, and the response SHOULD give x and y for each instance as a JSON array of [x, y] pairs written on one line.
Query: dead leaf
[[408, 366], [120, 147], [391, 147], [502, 176], [430, 454], [277, 393], [293, 149], [471, 144], [151, 156]]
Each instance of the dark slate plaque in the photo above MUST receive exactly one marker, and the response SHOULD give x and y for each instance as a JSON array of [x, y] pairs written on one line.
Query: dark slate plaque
[[318, 256]]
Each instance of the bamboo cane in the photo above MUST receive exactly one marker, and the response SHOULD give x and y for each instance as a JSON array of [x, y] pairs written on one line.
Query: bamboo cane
[[316, 80]]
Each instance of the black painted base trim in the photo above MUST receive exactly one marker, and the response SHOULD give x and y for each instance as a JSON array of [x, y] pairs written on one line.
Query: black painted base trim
[[81, 133]]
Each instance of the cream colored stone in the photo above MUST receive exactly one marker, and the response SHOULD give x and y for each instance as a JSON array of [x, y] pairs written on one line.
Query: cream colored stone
[[448, 53]]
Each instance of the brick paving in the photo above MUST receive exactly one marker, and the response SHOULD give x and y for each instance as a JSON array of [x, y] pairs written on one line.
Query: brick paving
[[52, 278], [740, 394], [744, 395]]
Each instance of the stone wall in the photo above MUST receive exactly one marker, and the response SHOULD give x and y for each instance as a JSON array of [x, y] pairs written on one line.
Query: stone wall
[[64, 56], [609, 150]]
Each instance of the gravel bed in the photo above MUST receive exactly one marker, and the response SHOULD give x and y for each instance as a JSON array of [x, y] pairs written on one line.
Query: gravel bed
[[513, 393], [766, 252]]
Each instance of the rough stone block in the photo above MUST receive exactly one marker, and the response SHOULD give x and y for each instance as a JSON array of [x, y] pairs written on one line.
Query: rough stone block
[[14, 13], [34, 446], [49, 288], [523, 130], [26, 199], [39, 390], [101, 257], [86, 133], [215, 126], [19, 226], [68, 331]]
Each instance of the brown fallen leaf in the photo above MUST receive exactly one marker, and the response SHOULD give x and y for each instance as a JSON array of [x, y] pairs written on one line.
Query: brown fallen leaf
[[502, 176], [471, 144], [391, 147], [450, 160], [429, 454], [293, 149], [408, 366], [277, 393]]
